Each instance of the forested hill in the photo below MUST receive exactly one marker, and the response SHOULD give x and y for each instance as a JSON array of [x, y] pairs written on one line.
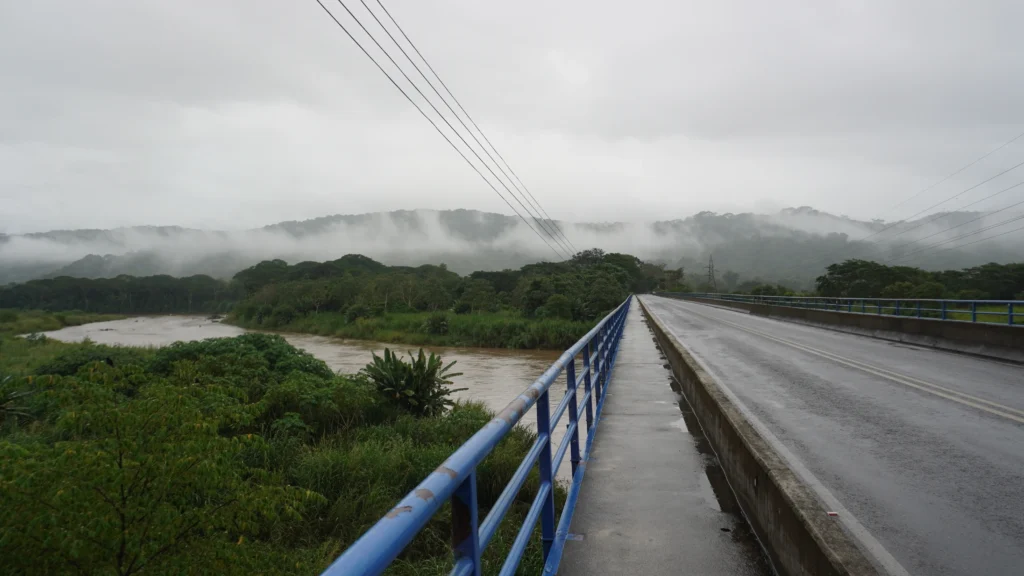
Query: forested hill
[[792, 246]]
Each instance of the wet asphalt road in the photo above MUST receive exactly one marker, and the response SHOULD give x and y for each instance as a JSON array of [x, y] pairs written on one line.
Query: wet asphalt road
[[921, 451]]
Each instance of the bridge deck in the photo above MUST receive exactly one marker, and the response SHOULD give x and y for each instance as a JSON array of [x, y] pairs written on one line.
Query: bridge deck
[[654, 500]]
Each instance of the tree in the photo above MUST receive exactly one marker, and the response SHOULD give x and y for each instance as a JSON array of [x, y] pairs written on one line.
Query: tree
[[479, 295], [558, 306], [898, 290]]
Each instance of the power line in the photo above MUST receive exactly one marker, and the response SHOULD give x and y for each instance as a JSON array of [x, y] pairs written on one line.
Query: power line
[[434, 124], [473, 122], [832, 255], [436, 111], [979, 159], [533, 215], [985, 215], [947, 241], [983, 239], [957, 195]]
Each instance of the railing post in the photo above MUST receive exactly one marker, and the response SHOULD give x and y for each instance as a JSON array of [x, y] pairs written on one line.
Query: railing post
[[974, 311], [574, 443], [849, 306], [466, 523], [599, 337], [1009, 314], [943, 309], [878, 306], [897, 307], [586, 384], [918, 308], [547, 513], [863, 306]]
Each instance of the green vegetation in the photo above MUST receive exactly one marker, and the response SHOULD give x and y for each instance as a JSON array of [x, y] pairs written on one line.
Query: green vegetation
[[863, 279], [29, 321], [548, 305], [231, 456], [122, 295]]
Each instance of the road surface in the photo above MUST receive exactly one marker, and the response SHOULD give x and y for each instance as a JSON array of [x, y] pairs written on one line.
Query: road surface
[[920, 451]]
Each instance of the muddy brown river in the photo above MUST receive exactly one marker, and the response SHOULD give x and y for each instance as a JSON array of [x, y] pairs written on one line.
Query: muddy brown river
[[493, 376]]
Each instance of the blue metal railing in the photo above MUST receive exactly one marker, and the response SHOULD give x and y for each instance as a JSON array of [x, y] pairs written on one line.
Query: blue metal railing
[[455, 479], [1009, 312]]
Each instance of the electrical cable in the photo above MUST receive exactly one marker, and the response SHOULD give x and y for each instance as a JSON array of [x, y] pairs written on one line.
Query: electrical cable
[[434, 124], [429, 119]]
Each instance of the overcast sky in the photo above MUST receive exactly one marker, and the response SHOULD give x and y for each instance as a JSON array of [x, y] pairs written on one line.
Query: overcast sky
[[239, 113]]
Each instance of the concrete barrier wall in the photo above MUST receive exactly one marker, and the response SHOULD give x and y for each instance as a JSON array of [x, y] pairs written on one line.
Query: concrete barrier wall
[[981, 338], [786, 515]]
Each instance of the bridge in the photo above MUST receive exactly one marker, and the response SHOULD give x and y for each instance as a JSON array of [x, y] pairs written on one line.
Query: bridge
[[741, 435]]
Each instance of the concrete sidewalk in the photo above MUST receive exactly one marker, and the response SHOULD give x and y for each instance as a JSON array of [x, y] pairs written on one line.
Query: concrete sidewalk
[[654, 500]]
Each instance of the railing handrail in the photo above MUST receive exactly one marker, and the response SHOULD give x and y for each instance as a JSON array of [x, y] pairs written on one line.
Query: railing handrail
[[455, 479], [944, 310]]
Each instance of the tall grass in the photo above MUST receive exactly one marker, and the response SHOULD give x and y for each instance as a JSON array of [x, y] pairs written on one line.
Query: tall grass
[[482, 330]]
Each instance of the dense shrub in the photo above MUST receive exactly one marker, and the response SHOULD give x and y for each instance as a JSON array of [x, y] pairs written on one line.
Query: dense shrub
[[228, 456]]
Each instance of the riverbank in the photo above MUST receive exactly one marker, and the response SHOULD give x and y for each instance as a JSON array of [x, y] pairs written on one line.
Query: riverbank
[[493, 330], [298, 461], [31, 321]]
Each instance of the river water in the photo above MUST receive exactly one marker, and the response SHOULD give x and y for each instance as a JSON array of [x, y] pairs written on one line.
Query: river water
[[493, 376]]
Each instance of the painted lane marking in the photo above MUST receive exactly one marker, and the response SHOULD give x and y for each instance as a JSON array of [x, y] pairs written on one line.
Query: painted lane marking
[[934, 389]]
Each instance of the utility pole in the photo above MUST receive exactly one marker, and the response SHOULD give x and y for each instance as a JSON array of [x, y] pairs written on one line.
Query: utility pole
[[711, 275]]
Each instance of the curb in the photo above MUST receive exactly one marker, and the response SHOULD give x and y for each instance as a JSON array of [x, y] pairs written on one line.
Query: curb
[[789, 519]]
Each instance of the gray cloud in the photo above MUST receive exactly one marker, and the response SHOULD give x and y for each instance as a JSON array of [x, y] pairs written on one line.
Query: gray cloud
[[233, 114]]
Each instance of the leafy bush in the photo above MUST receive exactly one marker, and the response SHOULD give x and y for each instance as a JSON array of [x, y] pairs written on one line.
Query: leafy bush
[[68, 363], [357, 311], [420, 386], [437, 323]]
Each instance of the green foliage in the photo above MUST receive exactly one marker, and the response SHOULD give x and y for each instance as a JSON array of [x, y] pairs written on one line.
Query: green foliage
[[32, 321], [357, 311], [122, 295], [864, 279], [229, 456], [133, 480], [12, 406], [421, 386], [898, 290], [541, 305], [437, 324], [68, 363]]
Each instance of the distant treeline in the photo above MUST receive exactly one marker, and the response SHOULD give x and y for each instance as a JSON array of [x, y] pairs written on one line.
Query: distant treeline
[[581, 289], [274, 293], [864, 279], [123, 295]]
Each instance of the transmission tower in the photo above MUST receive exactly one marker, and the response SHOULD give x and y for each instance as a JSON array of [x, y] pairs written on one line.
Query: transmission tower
[[711, 275]]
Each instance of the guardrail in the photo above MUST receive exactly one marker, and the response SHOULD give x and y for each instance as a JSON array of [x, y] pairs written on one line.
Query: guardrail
[[1009, 312], [455, 479]]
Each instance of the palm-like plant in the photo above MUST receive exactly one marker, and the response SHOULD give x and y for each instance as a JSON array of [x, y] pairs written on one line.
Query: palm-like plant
[[421, 386]]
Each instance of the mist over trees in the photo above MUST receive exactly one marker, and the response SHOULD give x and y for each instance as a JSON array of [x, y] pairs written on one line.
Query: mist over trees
[[792, 247]]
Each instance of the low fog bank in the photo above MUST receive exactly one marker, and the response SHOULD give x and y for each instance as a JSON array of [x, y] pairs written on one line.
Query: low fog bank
[[793, 245]]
